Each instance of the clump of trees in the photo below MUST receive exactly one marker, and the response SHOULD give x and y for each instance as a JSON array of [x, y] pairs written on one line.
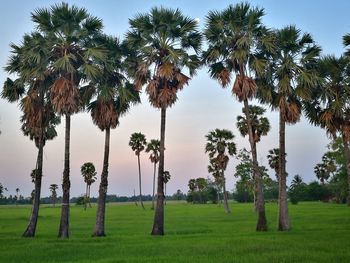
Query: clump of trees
[[202, 191]]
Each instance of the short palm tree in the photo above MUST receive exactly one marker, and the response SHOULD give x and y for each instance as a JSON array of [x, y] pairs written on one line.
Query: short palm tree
[[29, 61], [138, 143], [260, 126], [237, 42], [53, 189], [329, 107], [69, 32], [88, 172], [164, 45], [297, 181], [153, 147], [292, 76], [273, 159], [17, 195], [113, 96], [166, 179], [220, 147]]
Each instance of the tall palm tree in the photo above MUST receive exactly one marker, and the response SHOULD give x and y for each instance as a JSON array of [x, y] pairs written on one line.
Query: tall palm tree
[[237, 41], [69, 33], [292, 76], [164, 44], [138, 143], [53, 188], [166, 179], [329, 107], [220, 147], [29, 61], [153, 147], [113, 97], [88, 172]]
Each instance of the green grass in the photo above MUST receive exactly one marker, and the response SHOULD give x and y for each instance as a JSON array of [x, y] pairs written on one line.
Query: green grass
[[194, 233]]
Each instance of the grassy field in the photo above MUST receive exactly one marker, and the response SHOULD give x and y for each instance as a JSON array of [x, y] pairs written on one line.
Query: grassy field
[[194, 233]]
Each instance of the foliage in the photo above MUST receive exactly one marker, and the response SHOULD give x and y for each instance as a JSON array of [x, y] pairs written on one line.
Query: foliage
[[202, 190]]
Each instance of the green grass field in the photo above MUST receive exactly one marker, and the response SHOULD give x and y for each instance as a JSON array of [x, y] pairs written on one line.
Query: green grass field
[[194, 233]]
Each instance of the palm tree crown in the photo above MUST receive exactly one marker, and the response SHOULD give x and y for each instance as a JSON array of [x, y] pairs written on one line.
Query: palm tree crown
[[137, 142]]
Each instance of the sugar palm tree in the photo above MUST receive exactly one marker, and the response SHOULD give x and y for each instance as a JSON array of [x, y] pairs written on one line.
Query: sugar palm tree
[[237, 41], [29, 62], [53, 188], [260, 126], [164, 45], [292, 76], [113, 96], [138, 143], [297, 181], [273, 159], [329, 106], [69, 33], [153, 147], [166, 179], [220, 147], [88, 172]]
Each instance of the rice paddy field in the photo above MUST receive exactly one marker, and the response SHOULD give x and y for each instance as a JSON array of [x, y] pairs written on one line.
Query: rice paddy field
[[194, 233]]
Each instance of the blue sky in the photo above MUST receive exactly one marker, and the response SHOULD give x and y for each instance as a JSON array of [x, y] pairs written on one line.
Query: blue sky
[[203, 105]]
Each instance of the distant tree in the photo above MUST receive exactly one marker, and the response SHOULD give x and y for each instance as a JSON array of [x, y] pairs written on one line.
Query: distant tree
[[53, 188], [192, 185], [138, 143], [17, 195], [219, 147], [89, 174], [179, 195], [297, 189], [1, 190], [166, 175], [273, 159], [154, 148]]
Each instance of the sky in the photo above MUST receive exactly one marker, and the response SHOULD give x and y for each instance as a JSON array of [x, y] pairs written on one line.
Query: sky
[[202, 106]]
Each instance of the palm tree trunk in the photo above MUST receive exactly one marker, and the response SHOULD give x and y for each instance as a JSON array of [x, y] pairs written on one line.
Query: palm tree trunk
[[226, 206], [158, 224], [347, 159], [101, 205], [164, 194], [260, 202], [89, 193], [86, 196], [283, 218], [140, 187], [30, 230], [64, 223], [154, 182]]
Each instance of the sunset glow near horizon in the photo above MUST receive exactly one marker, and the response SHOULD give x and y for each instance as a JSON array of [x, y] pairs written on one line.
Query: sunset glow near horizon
[[202, 106]]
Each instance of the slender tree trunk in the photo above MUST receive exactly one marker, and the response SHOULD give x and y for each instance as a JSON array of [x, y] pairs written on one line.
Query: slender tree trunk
[[101, 205], [86, 196], [140, 187], [154, 183], [347, 159], [283, 218], [158, 224], [30, 230], [64, 223], [164, 194], [89, 194], [226, 205], [260, 202]]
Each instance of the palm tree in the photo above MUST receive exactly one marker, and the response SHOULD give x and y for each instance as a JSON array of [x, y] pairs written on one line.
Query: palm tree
[[88, 172], [237, 40], [292, 75], [17, 195], [297, 181], [113, 97], [138, 143], [29, 61], [163, 43], [260, 126], [154, 147], [273, 159], [329, 106], [219, 147], [53, 188], [166, 179], [69, 33]]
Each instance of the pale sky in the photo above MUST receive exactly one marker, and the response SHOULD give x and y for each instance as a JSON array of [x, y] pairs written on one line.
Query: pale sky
[[202, 106]]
